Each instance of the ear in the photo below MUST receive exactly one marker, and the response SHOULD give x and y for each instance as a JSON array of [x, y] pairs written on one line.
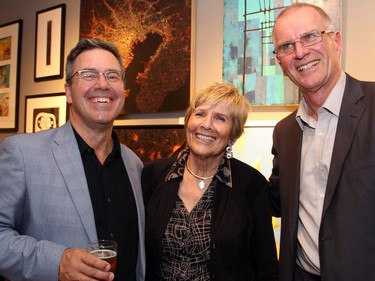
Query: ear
[[338, 41], [68, 94], [282, 66], [231, 142]]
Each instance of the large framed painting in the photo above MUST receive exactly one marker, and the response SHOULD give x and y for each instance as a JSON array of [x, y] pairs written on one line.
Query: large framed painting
[[10, 57], [49, 43], [248, 59], [154, 39]]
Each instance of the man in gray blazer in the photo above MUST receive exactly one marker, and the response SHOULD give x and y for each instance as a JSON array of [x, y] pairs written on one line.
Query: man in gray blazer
[[323, 177], [62, 188]]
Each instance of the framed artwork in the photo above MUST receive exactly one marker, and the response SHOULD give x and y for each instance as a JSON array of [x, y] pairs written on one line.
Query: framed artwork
[[151, 119], [154, 39], [10, 57], [49, 43], [152, 142], [248, 59], [45, 112]]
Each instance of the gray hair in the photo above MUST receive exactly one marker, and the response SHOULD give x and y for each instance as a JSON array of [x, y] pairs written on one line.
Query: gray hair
[[87, 44], [328, 24]]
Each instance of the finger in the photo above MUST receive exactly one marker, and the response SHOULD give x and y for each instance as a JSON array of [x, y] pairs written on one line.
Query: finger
[[94, 261], [78, 264], [97, 274]]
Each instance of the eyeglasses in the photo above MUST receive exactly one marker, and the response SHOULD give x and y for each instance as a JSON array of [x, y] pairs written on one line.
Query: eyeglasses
[[307, 40], [93, 75]]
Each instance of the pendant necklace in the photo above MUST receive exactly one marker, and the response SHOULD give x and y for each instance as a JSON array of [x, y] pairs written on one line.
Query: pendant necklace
[[201, 184]]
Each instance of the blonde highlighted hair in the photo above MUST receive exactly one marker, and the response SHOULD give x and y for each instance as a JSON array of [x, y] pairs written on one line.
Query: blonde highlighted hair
[[237, 105]]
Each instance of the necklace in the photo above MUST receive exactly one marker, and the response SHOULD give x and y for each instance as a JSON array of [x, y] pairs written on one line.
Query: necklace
[[201, 184]]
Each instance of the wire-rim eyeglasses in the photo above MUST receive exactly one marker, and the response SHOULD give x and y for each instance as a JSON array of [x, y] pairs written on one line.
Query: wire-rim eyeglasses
[[307, 40]]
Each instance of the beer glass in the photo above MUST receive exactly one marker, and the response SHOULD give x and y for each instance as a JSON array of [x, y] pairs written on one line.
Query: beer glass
[[106, 250]]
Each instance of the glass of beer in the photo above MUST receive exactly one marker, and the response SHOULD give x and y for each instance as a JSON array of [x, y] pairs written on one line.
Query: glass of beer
[[106, 250]]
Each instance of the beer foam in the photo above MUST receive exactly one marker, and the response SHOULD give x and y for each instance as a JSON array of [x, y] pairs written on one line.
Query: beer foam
[[104, 254]]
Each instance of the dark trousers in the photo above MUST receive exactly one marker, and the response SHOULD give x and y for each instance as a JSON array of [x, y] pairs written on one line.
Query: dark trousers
[[302, 275]]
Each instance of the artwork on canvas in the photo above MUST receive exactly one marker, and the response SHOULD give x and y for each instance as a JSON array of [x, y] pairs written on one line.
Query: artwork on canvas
[[10, 54], [153, 143], [154, 39], [248, 59]]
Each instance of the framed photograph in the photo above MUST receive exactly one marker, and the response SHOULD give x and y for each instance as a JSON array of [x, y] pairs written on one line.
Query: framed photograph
[[151, 119], [45, 112], [49, 43], [152, 142], [10, 57]]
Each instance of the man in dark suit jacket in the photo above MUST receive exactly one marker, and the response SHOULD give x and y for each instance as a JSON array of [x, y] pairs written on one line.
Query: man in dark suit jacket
[[323, 176]]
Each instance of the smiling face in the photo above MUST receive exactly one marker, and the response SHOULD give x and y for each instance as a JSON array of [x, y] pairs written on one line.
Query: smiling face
[[315, 68], [95, 103], [208, 131]]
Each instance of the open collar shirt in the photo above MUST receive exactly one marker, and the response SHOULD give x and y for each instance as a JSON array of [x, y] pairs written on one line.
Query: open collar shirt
[[317, 147]]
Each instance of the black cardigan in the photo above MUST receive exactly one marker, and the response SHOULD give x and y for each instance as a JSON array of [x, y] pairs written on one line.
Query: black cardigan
[[242, 239]]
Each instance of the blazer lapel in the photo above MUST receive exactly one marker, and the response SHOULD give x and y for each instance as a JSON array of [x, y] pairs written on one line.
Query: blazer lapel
[[350, 114], [69, 161], [294, 174]]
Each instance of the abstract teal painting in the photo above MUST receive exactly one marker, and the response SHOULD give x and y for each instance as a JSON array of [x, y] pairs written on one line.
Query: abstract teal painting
[[248, 59]]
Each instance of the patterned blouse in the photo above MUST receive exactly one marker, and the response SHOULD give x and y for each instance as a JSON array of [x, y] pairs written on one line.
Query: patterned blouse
[[186, 242]]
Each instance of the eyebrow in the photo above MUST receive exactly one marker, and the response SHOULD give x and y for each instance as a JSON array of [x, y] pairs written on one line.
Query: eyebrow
[[94, 69], [302, 34]]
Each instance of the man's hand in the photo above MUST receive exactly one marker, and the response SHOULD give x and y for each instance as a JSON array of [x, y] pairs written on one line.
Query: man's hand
[[79, 264]]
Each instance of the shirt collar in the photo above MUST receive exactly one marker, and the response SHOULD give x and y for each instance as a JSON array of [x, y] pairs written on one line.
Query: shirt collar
[[332, 104], [223, 173], [84, 147]]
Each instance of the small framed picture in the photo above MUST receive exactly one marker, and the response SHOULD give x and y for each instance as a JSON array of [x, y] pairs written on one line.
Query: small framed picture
[[49, 43], [10, 53], [45, 112]]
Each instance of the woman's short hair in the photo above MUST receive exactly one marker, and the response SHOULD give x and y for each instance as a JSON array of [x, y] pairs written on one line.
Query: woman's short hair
[[237, 105], [87, 44]]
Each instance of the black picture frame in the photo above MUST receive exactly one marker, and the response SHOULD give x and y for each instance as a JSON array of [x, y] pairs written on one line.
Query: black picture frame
[[10, 58], [49, 43], [45, 111]]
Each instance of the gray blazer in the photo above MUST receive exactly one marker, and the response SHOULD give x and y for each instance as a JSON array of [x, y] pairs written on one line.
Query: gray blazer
[[45, 205]]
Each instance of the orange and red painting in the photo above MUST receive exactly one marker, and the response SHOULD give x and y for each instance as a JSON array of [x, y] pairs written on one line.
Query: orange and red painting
[[154, 39], [153, 143]]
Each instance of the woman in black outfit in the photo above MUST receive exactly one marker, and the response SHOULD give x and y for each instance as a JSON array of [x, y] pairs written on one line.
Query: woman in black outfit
[[207, 214]]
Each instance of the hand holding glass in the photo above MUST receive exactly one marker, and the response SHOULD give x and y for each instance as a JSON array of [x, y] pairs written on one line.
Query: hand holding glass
[[106, 250]]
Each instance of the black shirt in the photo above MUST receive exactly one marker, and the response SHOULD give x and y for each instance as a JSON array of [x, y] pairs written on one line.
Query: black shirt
[[114, 205]]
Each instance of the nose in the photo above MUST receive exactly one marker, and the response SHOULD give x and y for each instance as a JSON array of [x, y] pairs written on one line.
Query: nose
[[300, 49], [102, 82], [207, 123]]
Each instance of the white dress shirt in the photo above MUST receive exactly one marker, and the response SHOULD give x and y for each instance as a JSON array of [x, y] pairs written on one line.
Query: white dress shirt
[[317, 147]]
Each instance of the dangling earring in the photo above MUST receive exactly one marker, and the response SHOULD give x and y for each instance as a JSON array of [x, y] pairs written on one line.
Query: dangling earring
[[229, 151]]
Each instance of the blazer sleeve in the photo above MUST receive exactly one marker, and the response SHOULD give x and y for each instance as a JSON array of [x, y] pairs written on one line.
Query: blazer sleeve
[[274, 184], [21, 257]]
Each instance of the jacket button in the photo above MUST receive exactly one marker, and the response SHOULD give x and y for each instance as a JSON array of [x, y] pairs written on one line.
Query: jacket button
[[213, 246]]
